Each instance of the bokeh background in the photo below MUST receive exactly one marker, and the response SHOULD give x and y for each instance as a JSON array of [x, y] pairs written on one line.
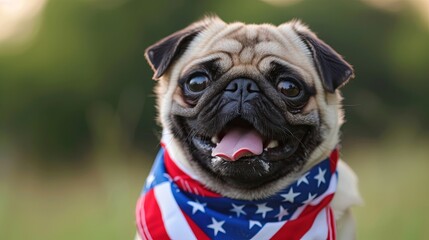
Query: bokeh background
[[77, 128]]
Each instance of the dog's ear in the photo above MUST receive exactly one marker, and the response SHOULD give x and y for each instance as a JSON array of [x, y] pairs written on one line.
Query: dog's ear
[[333, 69], [162, 54]]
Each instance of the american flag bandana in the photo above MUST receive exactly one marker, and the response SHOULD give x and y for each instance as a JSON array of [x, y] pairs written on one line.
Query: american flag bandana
[[175, 205]]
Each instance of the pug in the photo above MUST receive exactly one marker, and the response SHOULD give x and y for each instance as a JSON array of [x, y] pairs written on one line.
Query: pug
[[251, 117]]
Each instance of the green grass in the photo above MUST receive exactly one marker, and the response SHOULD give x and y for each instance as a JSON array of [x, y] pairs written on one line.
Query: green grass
[[94, 203], [394, 182], [98, 202]]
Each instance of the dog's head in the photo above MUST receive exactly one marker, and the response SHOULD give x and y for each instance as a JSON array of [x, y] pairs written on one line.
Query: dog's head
[[248, 107]]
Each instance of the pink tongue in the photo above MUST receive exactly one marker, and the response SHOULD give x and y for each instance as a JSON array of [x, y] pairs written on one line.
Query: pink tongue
[[239, 142]]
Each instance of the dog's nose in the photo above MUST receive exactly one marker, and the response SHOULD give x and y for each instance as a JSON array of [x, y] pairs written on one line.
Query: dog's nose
[[242, 88]]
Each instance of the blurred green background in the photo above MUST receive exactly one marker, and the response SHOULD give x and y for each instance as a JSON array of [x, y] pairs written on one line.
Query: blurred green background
[[77, 128]]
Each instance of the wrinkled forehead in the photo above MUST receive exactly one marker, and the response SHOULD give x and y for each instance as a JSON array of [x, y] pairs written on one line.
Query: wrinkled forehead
[[258, 46]]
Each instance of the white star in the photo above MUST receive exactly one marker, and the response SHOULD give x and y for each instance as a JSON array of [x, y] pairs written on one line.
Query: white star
[[238, 209], [282, 212], [303, 179], [168, 177], [320, 177], [150, 180], [310, 198], [197, 206], [290, 196], [216, 226], [263, 208], [253, 223]]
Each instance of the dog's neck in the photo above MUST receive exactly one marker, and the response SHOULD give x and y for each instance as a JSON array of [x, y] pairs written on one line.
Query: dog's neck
[[181, 159]]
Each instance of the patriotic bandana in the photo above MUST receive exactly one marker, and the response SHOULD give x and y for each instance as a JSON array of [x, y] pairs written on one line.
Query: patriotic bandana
[[175, 205]]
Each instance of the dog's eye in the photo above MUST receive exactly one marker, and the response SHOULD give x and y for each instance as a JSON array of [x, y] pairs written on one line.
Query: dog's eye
[[197, 83], [288, 87]]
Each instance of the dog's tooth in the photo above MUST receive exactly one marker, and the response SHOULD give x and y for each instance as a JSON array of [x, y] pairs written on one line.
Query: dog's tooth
[[215, 140], [273, 144]]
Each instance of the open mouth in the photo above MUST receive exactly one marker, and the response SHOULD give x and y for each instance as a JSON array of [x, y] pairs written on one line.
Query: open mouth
[[240, 140]]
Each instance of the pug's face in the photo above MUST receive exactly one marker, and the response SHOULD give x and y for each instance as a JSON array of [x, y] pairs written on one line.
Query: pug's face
[[249, 107]]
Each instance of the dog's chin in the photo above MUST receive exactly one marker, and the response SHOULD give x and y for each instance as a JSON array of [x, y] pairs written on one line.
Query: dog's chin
[[280, 158]]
